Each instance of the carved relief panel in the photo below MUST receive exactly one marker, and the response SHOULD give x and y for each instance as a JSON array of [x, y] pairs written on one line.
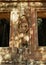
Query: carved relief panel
[[23, 41], [20, 31]]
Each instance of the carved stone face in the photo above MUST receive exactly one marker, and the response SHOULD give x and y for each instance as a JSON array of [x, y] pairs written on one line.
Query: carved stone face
[[23, 25]]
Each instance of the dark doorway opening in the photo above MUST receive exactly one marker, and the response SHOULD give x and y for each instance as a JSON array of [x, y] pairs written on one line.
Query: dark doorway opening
[[4, 29], [42, 31], [4, 32]]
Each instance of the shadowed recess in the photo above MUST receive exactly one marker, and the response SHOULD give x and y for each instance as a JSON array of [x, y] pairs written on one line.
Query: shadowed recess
[[42, 31], [4, 32]]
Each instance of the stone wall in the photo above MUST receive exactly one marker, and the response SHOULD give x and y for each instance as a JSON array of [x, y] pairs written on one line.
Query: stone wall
[[23, 45]]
